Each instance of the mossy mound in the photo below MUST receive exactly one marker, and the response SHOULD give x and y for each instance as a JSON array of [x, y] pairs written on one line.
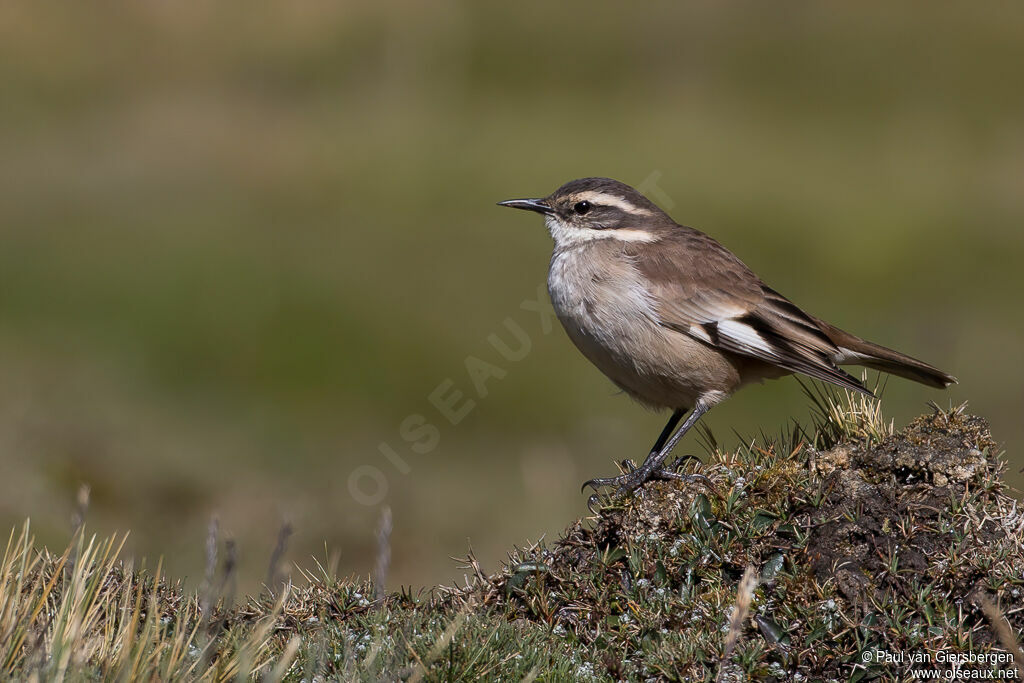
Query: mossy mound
[[888, 544]]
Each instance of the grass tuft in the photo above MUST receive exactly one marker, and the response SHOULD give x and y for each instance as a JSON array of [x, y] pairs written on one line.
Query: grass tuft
[[840, 415]]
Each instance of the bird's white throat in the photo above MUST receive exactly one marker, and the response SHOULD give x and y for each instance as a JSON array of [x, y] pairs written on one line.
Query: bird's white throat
[[567, 235]]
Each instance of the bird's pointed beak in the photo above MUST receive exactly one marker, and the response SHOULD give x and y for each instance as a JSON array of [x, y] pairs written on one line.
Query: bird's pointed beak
[[537, 205]]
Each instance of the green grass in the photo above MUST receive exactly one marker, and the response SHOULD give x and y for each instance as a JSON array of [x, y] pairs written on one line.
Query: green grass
[[876, 539]]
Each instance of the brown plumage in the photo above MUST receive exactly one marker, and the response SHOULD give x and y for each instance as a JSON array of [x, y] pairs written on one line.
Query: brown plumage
[[677, 320], [718, 286]]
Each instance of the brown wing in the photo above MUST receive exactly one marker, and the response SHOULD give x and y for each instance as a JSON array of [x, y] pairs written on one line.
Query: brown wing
[[704, 291]]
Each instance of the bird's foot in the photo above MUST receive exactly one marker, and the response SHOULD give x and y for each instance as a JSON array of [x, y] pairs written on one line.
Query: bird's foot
[[634, 477]]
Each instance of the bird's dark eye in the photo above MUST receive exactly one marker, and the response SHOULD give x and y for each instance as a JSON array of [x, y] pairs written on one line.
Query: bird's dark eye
[[581, 207]]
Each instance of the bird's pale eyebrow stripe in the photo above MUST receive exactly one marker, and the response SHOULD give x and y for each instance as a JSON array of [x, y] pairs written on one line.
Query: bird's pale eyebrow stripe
[[605, 199]]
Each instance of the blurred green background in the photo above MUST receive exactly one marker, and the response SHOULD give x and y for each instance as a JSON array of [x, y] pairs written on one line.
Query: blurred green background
[[240, 243]]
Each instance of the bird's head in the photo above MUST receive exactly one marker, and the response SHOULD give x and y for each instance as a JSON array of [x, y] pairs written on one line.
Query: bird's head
[[596, 208]]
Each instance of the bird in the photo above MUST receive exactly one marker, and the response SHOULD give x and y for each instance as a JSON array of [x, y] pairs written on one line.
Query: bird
[[679, 322]]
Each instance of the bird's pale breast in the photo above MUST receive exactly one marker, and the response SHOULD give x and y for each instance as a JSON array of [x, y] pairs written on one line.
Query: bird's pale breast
[[608, 313]]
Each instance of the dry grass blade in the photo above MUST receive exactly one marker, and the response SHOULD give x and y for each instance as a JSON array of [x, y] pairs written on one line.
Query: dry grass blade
[[383, 554], [442, 642], [285, 662], [1003, 631], [275, 574], [744, 596], [532, 675]]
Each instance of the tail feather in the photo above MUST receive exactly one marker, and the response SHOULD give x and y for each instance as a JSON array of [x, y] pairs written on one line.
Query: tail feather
[[856, 351]]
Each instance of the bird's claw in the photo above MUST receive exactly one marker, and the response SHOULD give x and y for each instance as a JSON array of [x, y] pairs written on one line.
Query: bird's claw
[[633, 478], [627, 466]]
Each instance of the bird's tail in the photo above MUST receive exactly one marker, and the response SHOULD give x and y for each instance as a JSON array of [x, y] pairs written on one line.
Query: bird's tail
[[856, 351]]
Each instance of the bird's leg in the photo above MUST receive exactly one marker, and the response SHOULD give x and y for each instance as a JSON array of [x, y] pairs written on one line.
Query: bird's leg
[[652, 466], [628, 466]]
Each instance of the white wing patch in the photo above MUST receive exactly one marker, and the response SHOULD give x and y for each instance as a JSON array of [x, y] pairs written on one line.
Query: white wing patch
[[744, 336]]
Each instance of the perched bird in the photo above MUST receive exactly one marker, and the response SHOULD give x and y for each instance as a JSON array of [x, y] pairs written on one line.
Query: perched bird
[[676, 320]]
